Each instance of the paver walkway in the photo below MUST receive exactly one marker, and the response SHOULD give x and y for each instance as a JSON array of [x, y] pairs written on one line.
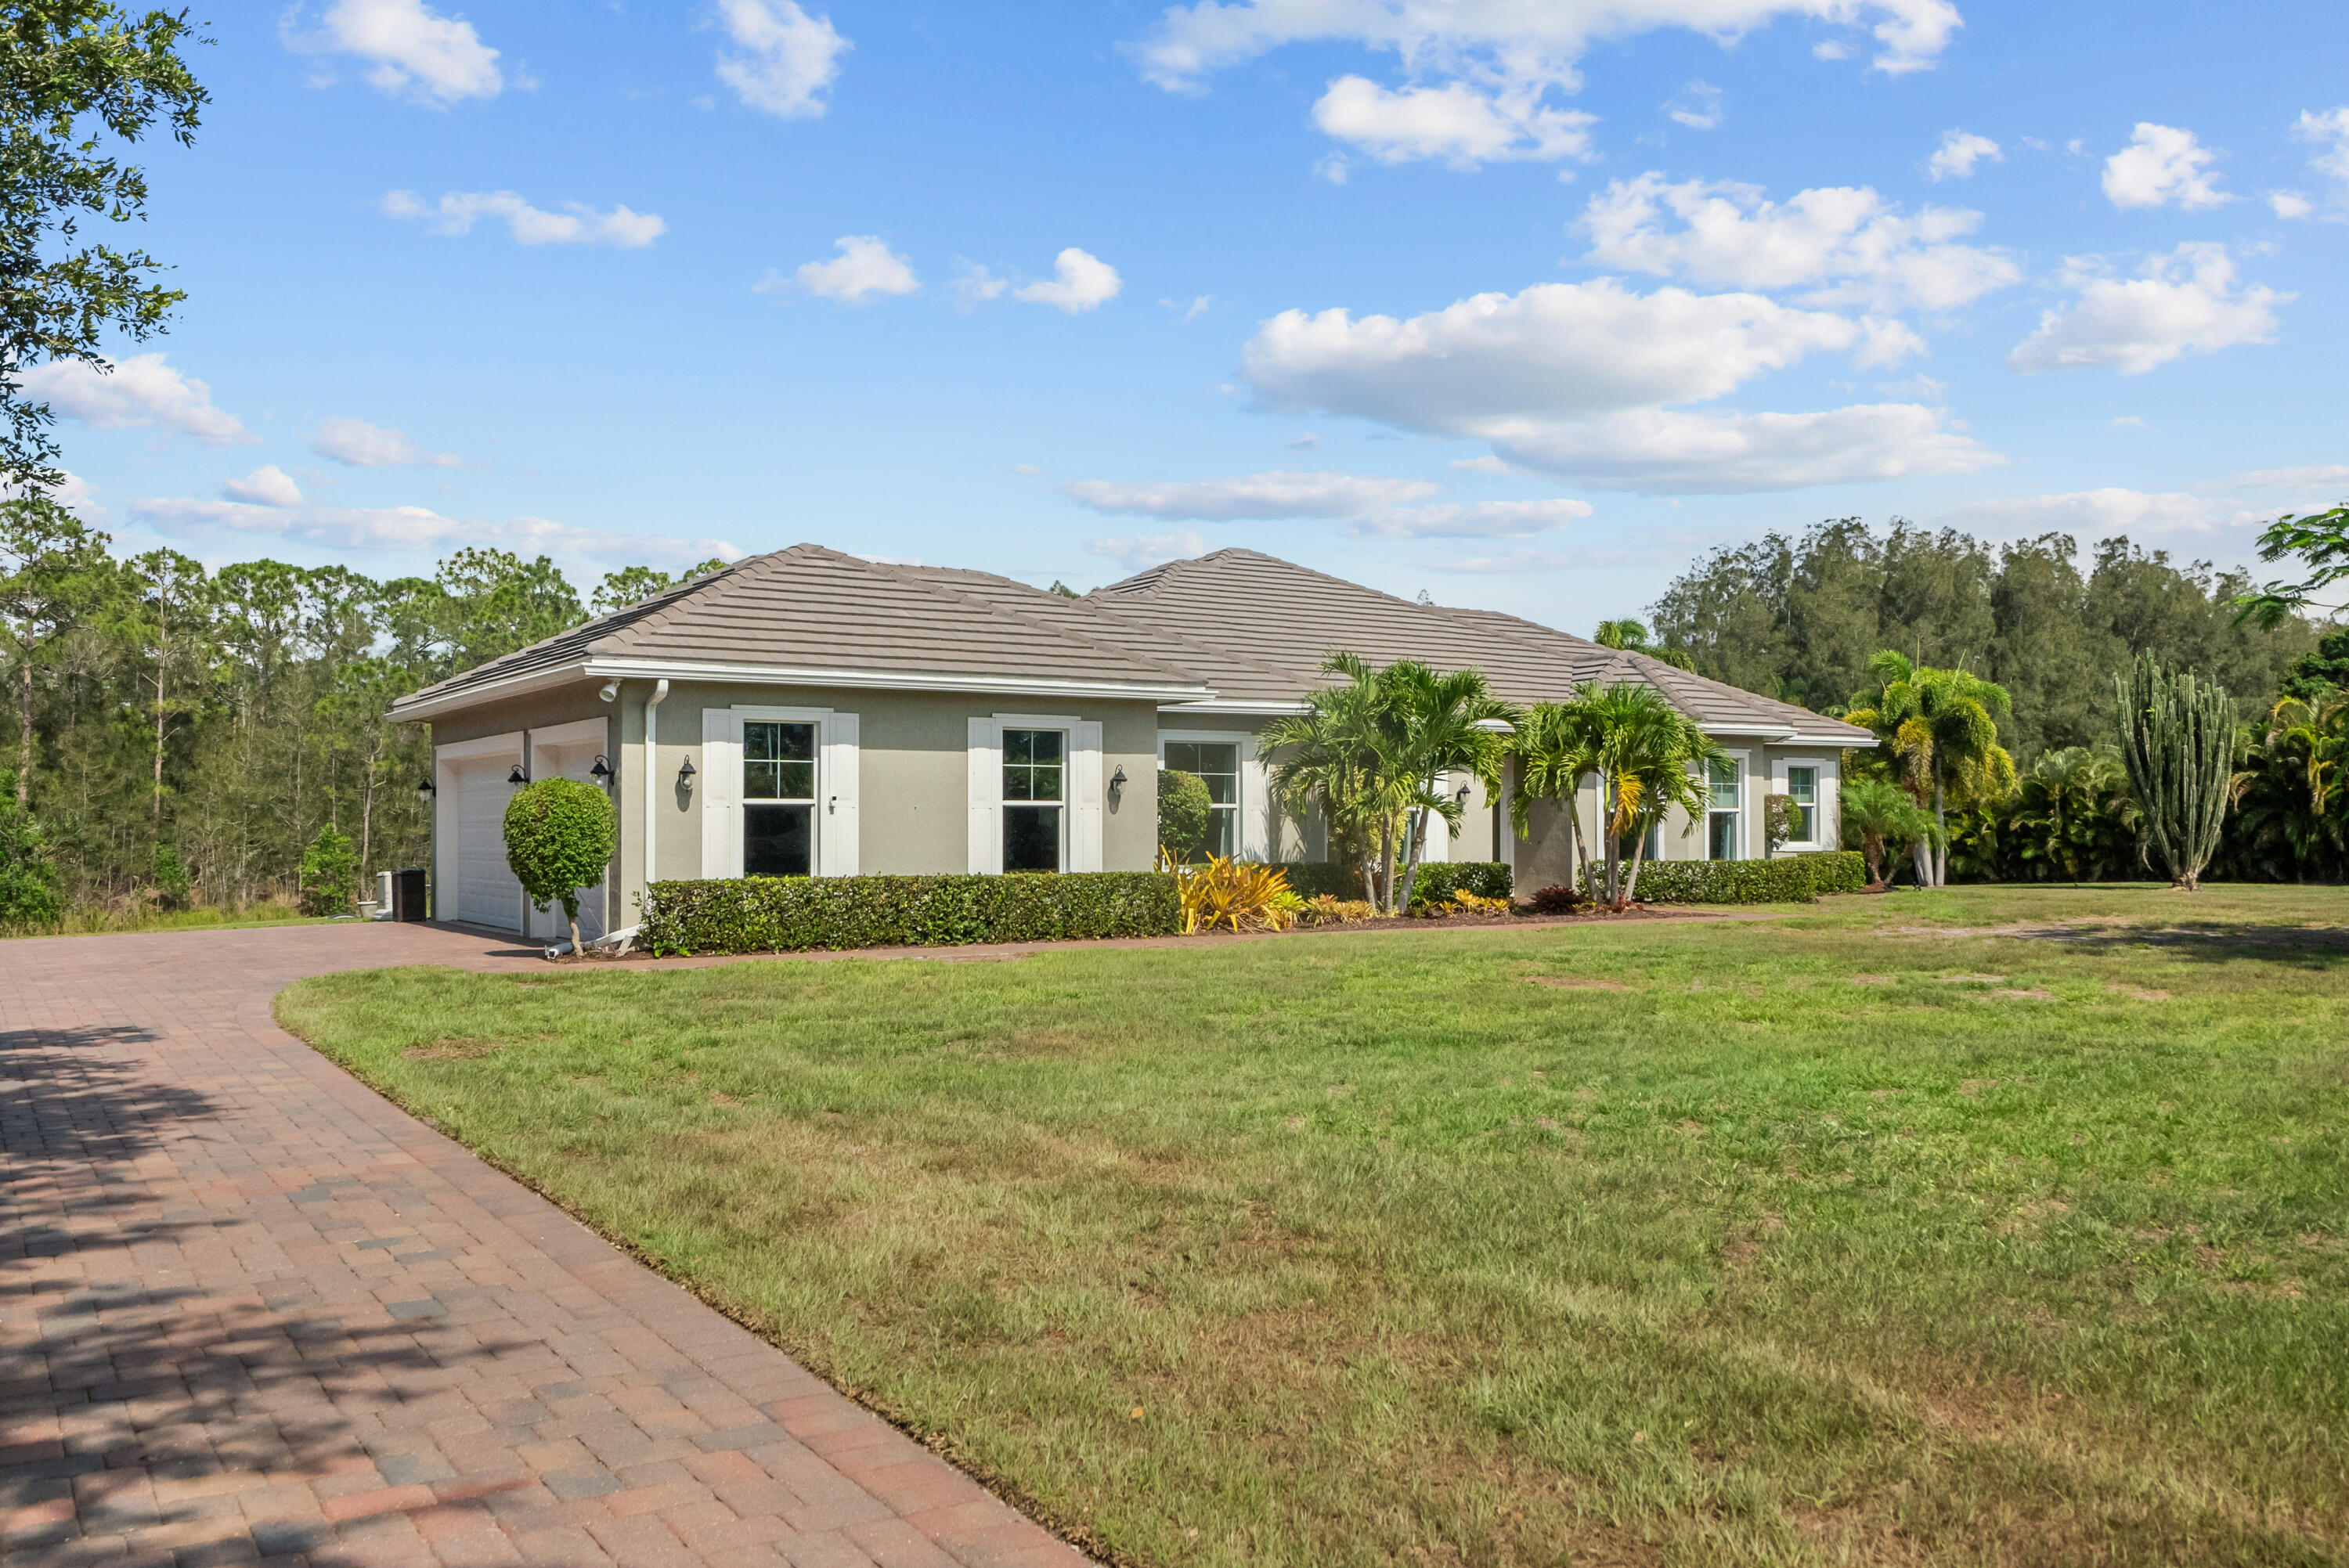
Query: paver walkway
[[251, 1311]]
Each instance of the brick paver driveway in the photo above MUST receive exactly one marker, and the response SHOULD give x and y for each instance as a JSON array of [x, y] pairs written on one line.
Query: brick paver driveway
[[250, 1311]]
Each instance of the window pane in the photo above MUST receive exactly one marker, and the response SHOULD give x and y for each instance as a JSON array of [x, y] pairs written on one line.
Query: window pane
[[1215, 764], [1031, 838], [1803, 784], [1032, 764], [1725, 782], [1221, 831], [776, 841], [1721, 842], [778, 761]]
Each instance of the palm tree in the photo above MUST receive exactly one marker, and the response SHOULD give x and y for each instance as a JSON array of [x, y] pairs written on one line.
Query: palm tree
[[1879, 814], [1375, 756], [2074, 810], [1942, 728], [1647, 756], [1557, 747]]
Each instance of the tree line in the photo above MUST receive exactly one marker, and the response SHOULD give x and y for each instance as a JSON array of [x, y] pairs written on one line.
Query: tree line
[[184, 735], [1993, 679]]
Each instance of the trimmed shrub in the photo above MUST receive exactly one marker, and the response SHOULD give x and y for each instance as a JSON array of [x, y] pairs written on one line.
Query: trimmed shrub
[[1788, 879], [1836, 871], [1185, 807], [1437, 883], [793, 915], [560, 835], [1556, 899]]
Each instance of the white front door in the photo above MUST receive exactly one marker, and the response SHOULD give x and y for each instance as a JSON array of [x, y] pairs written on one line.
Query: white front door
[[487, 892]]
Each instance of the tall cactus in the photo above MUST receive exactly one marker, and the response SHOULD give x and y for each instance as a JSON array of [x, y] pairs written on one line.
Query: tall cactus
[[2178, 737]]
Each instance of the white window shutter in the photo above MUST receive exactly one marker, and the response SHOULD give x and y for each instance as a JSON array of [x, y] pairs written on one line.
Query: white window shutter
[[986, 797], [836, 839], [1085, 788], [717, 781]]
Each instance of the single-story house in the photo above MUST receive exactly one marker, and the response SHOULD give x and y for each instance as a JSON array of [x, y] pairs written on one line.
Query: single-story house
[[813, 712]]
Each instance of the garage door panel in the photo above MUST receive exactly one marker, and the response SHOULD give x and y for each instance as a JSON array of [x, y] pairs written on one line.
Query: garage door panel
[[487, 892]]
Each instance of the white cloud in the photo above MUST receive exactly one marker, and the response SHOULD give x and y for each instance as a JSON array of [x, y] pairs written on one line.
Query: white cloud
[[1080, 283], [1135, 551], [1279, 493], [416, 528], [1959, 152], [266, 486], [359, 445], [140, 391], [976, 283], [2162, 164], [1556, 351], [1487, 464], [1846, 244], [1831, 49], [2109, 510], [1660, 451], [2311, 476], [577, 224], [1572, 379], [2290, 204], [2127, 422], [1507, 37], [2330, 132], [411, 51], [1474, 520], [2187, 301], [788, 58], [1461, 124], [1698, 107], [866, 265], [73, 493]]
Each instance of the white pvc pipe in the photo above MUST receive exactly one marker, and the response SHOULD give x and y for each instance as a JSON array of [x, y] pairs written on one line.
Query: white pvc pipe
[[652, 815]]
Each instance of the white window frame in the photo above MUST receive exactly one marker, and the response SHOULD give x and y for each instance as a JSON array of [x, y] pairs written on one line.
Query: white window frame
[[719, 778], [1080, 813], [1744, 762], [1250, 834], [1821, 800]]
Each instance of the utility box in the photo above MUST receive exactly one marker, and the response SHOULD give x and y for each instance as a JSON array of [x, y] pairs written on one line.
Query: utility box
[[408, 893]]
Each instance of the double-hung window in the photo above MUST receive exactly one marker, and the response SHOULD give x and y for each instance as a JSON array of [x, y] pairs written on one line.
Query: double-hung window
[[1803, 788], [1215, 764], [1035, 769], [1721, 821], [778, 800]]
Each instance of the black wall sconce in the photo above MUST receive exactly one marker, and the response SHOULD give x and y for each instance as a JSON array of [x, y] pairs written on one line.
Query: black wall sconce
[[1461, 795], [517, 776], [1116, 782], [601, 773], [425, 785], [685, 775]]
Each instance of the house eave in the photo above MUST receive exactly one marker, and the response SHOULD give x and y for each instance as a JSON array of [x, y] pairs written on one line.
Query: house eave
[[608, 668]]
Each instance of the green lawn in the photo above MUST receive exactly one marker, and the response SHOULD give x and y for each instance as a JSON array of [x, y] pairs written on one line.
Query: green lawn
[[1851, 1237]]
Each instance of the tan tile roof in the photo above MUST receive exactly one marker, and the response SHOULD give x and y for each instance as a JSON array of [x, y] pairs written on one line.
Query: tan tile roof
[[1248, 627], [809, 608], [1280, 620]]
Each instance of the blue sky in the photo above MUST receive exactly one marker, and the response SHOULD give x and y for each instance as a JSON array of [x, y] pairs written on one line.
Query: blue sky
[[1525, 306]]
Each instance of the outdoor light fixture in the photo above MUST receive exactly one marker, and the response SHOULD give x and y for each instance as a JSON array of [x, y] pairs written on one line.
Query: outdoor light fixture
[[425, 785], [517, 777], [685, 774], [611, 691], [602, 771], [1117, 781], [1462, 795]]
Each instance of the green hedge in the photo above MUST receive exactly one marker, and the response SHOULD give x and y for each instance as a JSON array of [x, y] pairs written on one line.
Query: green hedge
[[791, 915], [1436, 883], [1786, 881], [1836, 871]]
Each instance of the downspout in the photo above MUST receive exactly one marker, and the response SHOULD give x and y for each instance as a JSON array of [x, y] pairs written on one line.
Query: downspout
[[652, 818]]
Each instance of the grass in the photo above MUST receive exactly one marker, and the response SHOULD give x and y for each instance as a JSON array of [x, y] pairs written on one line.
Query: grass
[[110, 922], [1868, 1235]]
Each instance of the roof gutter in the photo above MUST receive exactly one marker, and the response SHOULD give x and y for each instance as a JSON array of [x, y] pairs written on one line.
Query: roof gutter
[[425, 706]]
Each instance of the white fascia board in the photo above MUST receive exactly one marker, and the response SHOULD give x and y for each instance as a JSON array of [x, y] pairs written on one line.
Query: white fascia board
[[1864, 741], [1237, 707], [601, 669]]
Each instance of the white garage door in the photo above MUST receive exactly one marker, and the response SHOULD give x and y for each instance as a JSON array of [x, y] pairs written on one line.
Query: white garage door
[[487, 892]]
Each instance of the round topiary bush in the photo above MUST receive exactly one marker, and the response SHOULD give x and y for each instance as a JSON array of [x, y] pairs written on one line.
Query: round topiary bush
[[1185, 807], [560, 835]]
